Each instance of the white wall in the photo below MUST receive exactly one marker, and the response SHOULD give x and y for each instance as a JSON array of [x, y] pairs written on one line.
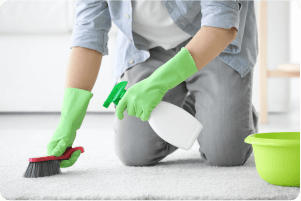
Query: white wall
[[295, 32], [283, 46], [295, 49]]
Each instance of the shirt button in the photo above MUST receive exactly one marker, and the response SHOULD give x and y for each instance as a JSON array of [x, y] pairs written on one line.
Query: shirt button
[[127, 16], [131, 61], [130, 40]]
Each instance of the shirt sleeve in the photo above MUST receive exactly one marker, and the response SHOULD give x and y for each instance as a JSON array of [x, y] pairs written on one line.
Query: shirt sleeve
[[226, 14], [92, 24]]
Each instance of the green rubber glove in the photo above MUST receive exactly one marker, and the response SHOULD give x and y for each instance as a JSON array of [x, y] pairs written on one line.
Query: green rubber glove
[[71, 161], [73, 111], [144, 96]]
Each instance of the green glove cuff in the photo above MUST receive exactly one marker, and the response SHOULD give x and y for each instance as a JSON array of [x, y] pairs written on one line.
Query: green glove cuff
[[174, 71], [75, 105]]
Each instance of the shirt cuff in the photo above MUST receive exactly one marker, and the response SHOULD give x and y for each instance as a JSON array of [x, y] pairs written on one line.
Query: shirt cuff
[[95, 40], [224, 14], [220, 14]]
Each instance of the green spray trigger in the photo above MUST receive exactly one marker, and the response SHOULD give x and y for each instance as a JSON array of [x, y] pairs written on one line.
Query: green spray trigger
[[116, 94]]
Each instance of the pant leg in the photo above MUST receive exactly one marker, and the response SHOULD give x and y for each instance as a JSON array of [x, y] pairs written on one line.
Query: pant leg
[[136, 144], [222, 101]]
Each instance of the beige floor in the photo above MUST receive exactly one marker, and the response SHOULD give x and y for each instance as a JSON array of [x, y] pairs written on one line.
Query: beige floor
[[100, 175]]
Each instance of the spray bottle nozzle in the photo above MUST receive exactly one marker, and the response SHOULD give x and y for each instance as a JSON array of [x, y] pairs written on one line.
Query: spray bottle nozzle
[[116, 94]]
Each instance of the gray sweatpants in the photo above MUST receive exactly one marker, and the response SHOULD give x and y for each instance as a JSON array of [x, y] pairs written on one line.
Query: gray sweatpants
[[216, 95]]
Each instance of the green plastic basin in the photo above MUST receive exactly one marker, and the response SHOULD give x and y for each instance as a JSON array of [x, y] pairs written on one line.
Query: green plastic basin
[[277, 157]]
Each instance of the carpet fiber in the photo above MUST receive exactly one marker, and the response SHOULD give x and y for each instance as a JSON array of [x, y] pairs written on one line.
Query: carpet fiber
[[98, 173]]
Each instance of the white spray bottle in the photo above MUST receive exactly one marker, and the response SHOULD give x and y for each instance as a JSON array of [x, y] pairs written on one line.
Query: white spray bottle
[[173, 124]]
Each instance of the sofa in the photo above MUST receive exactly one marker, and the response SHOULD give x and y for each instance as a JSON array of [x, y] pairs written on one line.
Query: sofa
[[35, 41]]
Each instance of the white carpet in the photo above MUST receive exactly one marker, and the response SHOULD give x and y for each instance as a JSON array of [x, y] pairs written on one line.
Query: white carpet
[[98, 174]]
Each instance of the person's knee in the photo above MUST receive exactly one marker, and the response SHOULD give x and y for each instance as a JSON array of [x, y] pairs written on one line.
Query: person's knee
[[228, 158], [227, 161], [136, 144], [135, 156], [135, 162]]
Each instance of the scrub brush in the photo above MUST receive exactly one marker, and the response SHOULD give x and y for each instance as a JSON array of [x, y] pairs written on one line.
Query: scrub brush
[[48, 165]]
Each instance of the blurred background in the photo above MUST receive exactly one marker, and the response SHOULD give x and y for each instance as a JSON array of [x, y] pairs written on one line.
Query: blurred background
[[34, 50]]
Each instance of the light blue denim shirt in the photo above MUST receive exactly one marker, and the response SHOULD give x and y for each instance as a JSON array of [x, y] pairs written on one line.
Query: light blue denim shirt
[[93, 21]]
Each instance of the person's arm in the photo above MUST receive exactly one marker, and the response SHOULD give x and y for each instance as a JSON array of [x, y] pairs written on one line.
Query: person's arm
[[208, 43], [83, 68], [89, 43], [221, 30]]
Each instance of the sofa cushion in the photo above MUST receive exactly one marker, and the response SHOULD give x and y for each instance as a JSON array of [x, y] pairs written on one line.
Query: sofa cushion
[[37, 16]]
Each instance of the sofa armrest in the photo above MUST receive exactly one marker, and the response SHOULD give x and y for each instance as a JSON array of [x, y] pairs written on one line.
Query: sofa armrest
[[19, 17], [39, 17]]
